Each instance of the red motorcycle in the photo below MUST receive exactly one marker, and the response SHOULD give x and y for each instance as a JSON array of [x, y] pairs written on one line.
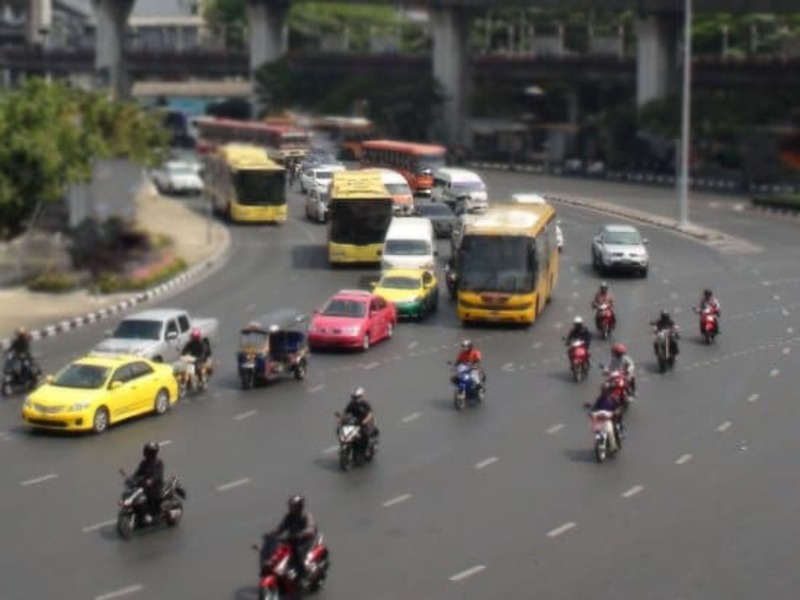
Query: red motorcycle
[[604, 319], [709, 321], [278, 578], [579, 359]]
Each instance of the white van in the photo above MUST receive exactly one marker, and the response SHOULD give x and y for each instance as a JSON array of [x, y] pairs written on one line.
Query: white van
[[463, 190], [410, 244], [399, 190], [537, 199]]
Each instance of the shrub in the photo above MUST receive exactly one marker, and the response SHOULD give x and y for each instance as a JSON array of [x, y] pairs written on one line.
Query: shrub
[[790, 203], [55, 282], [110, 283]]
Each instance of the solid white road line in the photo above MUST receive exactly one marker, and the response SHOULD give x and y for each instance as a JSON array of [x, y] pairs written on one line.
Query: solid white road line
[[555, 428], [398, 500], [682, 460], [411, 417], [485, 463], [724, 427], [317, 388], [467, 573], [372, 365], [561, 529], [41, 479], [331, 449], [754, 398], [96, 526], [233, 484], [633, 491], [245, 415], [774, 372], [132, 589]]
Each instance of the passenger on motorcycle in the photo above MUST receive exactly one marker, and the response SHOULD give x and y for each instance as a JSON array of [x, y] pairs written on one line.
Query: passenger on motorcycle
[[469, 355], [620, 361], [150, 475], [198, 349], [603, 296], [300, 530], [606, 402], [361, 410], [579, 331], [666, 323], [709, 301]]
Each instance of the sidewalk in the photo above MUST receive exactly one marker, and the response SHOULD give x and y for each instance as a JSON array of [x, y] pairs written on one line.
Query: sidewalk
[[194, 240]]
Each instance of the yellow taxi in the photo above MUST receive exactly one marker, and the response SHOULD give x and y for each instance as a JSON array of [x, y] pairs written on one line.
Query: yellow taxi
[[97, 391], [414, 292]]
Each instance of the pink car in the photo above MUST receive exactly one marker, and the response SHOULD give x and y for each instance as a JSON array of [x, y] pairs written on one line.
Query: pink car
[[352, 319]]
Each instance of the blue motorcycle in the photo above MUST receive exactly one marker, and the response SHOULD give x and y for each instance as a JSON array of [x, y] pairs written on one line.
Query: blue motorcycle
[[469, 386]]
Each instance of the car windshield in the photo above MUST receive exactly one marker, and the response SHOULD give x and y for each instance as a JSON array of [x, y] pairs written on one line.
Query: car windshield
[[622, 238], [399, 283], [360, 221], [497, 264], [253, 339], [87, 377], [407, 248], [260, 187], [338, 307], [434, 210], [469, 186], [135, 329], [180, 169], [324, 175], [398, 189], [434, 162]]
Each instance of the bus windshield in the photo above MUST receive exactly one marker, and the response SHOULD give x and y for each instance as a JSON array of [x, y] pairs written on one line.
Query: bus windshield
[[434, 162], [497, 264], [359, 222], [257, 187]]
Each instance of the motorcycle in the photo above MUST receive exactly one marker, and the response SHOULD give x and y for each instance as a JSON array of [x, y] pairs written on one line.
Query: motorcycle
[[617, 382], [604, 319], [278, 579], [708, 323], [663, 346], [353, 448], [469, 385], [19, 374], [183, 374], [606, 434], [578, 354], [451, 279], [133, 506]]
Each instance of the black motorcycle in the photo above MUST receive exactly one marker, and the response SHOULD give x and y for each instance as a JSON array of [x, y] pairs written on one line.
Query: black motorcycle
[[355, 446], [19, 374], [133, 513]]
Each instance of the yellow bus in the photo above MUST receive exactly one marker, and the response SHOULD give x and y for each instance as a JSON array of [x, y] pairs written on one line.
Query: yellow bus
[[506, 263], [359, 212], [244, 185]]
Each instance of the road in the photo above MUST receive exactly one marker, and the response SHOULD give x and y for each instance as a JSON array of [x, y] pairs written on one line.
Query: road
[[501, 500]]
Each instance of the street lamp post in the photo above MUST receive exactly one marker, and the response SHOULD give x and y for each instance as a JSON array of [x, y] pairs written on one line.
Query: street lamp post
[[686, 117]]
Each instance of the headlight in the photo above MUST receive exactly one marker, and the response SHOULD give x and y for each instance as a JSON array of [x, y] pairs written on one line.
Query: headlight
[[79, 406], [351, 330], [28, 403]]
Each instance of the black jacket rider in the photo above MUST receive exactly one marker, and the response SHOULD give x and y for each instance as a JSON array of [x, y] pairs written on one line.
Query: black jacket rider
[[579, 331], [199, 349], [150, 475], [21, 346], [301, 530], [663, 323]]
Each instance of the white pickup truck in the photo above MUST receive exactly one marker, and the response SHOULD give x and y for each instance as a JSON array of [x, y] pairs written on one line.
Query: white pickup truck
[[158, 334]]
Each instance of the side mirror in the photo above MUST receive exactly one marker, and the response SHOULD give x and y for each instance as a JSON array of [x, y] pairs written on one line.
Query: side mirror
[[115, 385], [172, 335]]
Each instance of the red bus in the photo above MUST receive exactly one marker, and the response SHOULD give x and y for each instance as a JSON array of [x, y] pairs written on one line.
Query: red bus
[[347, 133], [416, 162], [282, 142]]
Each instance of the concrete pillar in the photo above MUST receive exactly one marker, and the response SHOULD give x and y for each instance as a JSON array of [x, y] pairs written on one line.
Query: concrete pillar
[[268, 33], [39, 21], [109, 59], [657, 55], [450, 68]]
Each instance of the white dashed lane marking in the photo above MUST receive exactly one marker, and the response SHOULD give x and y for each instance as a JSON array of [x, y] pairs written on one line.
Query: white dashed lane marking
[[233, 484], [331, 449], [127, 591], [787, 350], [413, 345], [485, 463], [754, 398], [633, 491], [372, 365], [537, 345], [97, 526], [561, 529], [774, 372], [508, 367], [245, 415], [555, 428], [41, 479], [724, 427], [398, 500], [467, 573], [317, 388], [776, 298], [682, 460], [411, 417]]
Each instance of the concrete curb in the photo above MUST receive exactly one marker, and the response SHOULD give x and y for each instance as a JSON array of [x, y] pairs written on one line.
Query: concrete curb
[[205, 267]]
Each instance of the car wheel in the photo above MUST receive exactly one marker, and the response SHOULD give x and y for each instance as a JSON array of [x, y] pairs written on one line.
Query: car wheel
[[100, 420], [365, 342], [161, 403]]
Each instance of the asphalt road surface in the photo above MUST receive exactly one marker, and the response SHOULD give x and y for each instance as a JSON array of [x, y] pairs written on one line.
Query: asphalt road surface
[[500, 501]]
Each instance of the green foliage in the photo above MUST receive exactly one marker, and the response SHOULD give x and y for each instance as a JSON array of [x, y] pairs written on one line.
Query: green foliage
[[788, 203], [51, 134], [110, 283], [55, 282]]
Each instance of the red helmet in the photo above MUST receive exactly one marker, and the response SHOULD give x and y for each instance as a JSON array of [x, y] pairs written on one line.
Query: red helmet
[[619, 348], [197, 334]]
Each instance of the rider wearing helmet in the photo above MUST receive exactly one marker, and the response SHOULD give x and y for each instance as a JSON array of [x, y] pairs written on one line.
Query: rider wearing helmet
[[21, 349], [468, 355], [579, 331], [604, 296], [665, 323], [709, 301], [300, 530], [200, 350], [361, 410], [150, 475], [620, 361]]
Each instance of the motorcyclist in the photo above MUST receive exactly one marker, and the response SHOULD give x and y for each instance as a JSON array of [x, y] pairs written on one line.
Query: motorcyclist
[[604, 296], [606, 402], [709, 301], [666, 323], [150, 475], [300, 530], [361, 410], [21, 349], [198, 349], [471, 356], [579, 331], [621, 361]]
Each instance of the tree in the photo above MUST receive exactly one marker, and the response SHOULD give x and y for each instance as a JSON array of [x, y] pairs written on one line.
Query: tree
[[52, 133]]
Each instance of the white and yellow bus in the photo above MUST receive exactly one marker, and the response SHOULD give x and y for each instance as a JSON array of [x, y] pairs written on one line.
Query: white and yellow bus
[[506, 263], [359, 212], [245, 185]]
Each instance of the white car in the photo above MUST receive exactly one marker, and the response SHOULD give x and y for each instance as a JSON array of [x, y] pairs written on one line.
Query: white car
[[318, 177], [620, 247], [317, 206], [537, 199], [178, 177]]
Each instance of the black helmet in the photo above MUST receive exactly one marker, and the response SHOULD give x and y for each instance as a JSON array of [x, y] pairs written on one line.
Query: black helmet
[[664, 314], [296, 503], [150, 450], [358, 394], [707, 293]]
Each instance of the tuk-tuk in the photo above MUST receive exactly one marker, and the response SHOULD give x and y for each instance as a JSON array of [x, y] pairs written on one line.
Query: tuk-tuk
[[274, 345]]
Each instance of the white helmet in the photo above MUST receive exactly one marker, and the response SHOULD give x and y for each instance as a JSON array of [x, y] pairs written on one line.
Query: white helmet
[[577, 320]]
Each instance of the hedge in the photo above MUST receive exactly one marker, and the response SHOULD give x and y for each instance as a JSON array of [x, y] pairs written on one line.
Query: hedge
[[790, 203], [56, 282], [110, 283]]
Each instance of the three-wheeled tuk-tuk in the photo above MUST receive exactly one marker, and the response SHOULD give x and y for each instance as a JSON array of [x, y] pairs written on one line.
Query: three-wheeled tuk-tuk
[[274, 345]]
